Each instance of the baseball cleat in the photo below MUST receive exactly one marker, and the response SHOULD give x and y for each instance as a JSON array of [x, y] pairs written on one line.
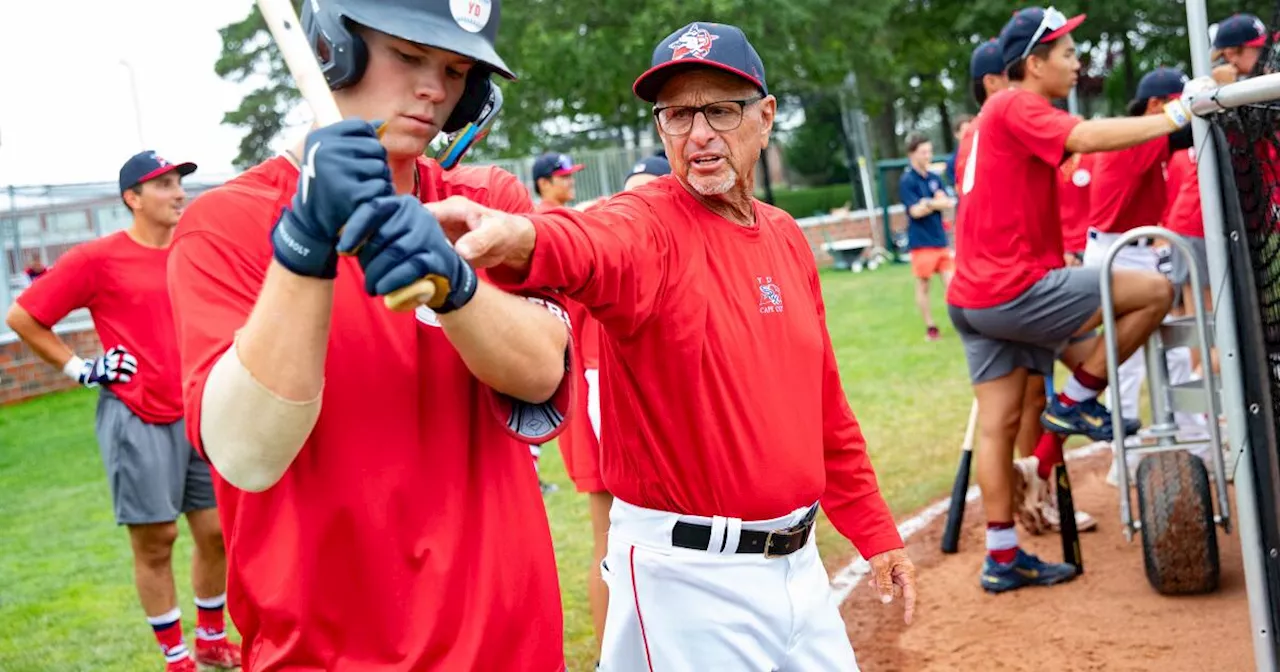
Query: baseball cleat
[[218, 654], [1025, 570], [1088, 418], [185, 664]]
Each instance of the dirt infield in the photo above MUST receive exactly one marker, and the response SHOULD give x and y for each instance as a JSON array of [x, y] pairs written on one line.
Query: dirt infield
[[1108, 619]]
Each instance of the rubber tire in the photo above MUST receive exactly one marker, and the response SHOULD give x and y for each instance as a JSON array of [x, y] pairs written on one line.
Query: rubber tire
[[1179, 538]]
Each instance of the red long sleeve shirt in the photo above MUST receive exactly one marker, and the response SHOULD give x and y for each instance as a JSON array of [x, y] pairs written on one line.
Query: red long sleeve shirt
[[723, 396]]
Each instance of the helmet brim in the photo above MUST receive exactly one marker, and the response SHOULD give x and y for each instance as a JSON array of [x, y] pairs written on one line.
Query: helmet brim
[[431, 31]]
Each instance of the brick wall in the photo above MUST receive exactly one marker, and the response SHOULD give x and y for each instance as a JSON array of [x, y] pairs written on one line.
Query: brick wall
[[23, 375], [852, 225]]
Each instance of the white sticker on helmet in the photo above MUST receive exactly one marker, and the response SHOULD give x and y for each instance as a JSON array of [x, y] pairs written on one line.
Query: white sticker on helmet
[[472, 15]]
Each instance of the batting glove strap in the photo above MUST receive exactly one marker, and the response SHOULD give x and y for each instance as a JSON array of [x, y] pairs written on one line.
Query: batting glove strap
[[299, 251], [459, 292]]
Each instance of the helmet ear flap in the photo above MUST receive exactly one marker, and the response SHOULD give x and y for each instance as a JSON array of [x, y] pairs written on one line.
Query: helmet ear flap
[[472, 101], [341, 52]]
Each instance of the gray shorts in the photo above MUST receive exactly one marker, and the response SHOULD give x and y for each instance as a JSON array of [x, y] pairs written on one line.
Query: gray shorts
[[1180, 271], [1031, 330], [154, 473]]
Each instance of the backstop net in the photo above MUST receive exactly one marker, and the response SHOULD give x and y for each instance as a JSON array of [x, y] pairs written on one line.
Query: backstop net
[[1246, 141]]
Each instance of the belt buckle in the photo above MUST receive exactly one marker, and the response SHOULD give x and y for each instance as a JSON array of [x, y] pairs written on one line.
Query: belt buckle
[[768, 542]]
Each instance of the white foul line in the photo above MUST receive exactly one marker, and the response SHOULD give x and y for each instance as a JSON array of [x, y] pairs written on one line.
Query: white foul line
[[845, 580]]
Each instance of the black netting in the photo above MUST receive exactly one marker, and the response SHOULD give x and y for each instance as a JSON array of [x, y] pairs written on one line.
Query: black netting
[[1246, 142]]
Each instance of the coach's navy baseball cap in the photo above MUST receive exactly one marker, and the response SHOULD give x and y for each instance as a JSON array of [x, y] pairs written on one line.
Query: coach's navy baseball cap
[[701, 44], [986, 60], [1032, 26], [552, 164], [145, 166], [651, 165], [1240, 30], [1161, 83]]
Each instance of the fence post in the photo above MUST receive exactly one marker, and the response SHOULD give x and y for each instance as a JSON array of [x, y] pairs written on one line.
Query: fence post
[[6, 274]]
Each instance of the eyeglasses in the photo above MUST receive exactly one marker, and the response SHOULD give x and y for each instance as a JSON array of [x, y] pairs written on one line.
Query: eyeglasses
[[723, 115], [1053, 20]]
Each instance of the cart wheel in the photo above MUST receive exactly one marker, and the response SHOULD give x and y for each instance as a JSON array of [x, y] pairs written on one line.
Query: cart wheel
[[1179, 540]]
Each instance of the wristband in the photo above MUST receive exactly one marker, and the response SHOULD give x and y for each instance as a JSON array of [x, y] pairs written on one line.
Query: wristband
[[1178, 113], [73, 368]]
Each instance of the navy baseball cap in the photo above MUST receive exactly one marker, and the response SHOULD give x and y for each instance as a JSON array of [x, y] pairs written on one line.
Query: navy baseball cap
[[552, 164], [986, 60], [1240, 30], [701, 44], [145, 166], [1161, 83], [1030, 27], [651, 165]]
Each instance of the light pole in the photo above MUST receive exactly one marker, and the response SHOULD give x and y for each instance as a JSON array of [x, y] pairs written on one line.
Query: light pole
[[137, 108]]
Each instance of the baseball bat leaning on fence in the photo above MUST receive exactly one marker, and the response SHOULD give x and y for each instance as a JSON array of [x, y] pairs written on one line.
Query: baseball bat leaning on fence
[[959, 489], [286, 31]]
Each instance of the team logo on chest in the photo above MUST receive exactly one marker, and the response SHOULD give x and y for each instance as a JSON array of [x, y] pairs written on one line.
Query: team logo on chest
[[770, 295]]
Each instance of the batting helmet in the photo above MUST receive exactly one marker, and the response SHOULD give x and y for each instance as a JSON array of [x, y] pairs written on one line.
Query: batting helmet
[[465, 27]]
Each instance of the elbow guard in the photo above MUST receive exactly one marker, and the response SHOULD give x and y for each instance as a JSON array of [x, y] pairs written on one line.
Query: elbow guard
[[250, 434]]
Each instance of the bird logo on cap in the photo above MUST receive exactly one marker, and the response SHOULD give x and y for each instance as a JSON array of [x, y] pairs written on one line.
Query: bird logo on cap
[[695, 42]]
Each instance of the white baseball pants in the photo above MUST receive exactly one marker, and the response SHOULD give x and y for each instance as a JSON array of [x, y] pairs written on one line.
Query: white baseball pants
[[674, 609]]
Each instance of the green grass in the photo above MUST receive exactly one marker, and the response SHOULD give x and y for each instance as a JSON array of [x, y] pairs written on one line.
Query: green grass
[[66, 590]]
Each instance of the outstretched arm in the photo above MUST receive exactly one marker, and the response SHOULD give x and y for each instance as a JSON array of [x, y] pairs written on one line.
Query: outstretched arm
[[613, 259]]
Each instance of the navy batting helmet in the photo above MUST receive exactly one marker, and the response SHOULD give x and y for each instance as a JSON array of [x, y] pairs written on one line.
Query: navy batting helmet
[[465, 27]]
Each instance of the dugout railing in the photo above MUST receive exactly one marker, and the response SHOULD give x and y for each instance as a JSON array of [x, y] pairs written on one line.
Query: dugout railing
[[1235, 128]]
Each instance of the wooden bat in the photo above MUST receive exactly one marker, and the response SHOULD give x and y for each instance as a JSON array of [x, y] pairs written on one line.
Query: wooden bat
[[1067, 512], [286, 31], [955, 516]]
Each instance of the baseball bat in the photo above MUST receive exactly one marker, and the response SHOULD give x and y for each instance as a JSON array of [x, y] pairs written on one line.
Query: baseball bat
[[960, 488], [1067, 512], [286, 31]]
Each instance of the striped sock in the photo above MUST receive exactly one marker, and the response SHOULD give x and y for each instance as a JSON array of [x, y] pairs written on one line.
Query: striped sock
[[210, 624], [168, 629], [1002, 542]]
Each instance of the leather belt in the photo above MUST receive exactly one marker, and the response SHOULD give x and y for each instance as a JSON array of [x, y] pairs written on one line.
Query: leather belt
[[772, 543]]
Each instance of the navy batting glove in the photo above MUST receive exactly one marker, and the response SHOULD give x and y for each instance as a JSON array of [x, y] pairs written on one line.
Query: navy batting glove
[[400, 242], [343, 165]]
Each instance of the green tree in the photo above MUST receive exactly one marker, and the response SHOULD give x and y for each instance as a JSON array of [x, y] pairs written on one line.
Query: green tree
[[577, 59], [250, 56]]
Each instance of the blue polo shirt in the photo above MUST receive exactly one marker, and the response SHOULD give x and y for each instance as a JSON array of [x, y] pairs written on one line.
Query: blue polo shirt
[[925, 232]]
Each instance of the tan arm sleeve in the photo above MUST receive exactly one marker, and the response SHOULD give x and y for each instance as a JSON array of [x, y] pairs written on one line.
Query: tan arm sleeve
[[250, 434]]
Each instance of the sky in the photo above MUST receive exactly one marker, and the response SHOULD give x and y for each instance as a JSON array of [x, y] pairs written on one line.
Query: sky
[[67, 113]]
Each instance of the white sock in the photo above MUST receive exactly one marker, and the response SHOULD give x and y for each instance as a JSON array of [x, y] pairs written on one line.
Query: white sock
[[1002, 539], [1077, 392]]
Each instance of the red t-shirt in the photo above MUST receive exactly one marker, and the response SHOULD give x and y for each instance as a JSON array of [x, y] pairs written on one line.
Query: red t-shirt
[[721, 394], [409, 533], [1073, 200], [1184, 216], [1128, 187], [1009, 234], [123, 285]]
